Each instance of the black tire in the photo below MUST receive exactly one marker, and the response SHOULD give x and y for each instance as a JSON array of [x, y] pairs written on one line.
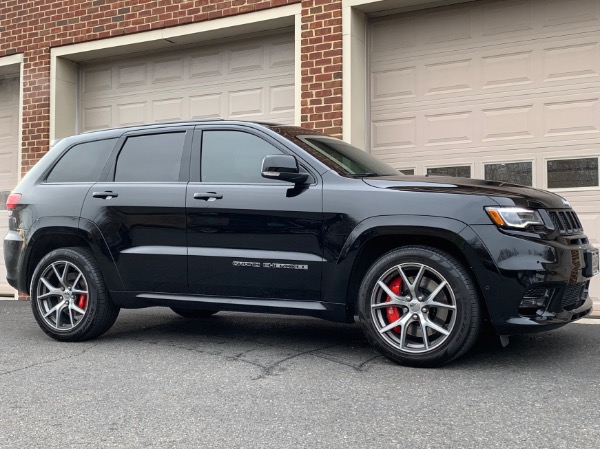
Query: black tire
[[193, 313], [451, 328], [80, 272]]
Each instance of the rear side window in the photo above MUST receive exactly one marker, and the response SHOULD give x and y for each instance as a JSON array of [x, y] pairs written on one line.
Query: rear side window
[[151, 158], [83, 162]]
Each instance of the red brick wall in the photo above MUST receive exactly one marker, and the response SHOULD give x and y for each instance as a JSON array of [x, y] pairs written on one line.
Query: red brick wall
[[33, 27], [322, 65]]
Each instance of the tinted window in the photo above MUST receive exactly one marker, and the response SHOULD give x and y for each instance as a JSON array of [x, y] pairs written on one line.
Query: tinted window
[[234, 156], [83, 162], [151, 158], [407, 171]]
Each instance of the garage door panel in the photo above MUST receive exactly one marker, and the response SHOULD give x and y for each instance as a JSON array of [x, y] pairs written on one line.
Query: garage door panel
[[253, 79], [492, 82], [9, 131]]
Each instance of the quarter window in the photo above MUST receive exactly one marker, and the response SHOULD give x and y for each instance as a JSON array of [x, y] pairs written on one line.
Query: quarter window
[[83, 162], [234, 156], [151, 158], [565, 173]]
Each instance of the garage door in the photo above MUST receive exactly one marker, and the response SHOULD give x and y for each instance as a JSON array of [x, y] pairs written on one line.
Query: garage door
[[506, 90], [250, 79], [9, 131]]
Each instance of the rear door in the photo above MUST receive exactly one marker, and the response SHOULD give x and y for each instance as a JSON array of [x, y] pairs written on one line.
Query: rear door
[[249, 236], [140, 209]]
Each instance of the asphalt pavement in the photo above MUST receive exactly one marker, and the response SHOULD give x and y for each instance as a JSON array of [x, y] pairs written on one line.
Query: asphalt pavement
[[157, 380]]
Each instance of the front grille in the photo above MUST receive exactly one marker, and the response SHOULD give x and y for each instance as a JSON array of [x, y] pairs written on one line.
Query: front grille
[[565, 221], [574, 296]]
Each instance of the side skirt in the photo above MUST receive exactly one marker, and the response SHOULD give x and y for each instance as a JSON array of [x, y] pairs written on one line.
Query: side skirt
[[325, 310]]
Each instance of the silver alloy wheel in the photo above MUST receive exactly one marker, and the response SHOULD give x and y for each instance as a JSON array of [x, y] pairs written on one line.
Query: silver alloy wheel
[[62, 295], [420, 315]]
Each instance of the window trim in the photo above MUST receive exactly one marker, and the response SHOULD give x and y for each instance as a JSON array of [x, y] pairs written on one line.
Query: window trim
[[569, 189]]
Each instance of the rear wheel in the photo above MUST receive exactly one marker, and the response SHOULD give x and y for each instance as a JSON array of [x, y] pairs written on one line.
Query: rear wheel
[[419, 307], [193, 313], [68, 296]]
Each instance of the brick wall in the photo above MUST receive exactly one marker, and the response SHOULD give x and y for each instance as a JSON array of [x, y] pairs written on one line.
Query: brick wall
[[33, 27], [322, 65]]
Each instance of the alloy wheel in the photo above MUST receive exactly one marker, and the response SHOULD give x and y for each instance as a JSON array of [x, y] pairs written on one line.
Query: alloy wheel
[[62, 295], [413, 307]]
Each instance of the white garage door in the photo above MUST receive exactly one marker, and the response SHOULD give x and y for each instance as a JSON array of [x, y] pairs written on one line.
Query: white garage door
[[9, 132], [250, 79], [506, 90]]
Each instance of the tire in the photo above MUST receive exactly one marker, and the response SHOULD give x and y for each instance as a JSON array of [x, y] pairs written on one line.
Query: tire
[[444, 302], [193, 313], [68, 296]]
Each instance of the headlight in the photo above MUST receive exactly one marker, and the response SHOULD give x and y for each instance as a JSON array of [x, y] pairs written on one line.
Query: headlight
[[514, 217]]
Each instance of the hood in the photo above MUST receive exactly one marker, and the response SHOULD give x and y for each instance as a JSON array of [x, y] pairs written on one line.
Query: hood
[[504, 194]]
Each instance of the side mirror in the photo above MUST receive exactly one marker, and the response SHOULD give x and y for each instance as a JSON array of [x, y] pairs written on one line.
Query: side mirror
[[283, 167]]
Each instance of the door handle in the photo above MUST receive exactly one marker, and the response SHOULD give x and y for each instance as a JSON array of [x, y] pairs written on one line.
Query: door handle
[[107, 195], [208, 196]]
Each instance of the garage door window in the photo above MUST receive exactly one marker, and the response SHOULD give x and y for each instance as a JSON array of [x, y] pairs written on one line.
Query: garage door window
[[513, 172], [459, 171], [565, 173], [83, 162], [151, 158], [234, 156]]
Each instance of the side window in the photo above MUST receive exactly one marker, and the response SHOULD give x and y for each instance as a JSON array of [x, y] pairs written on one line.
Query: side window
[[234, 156], [83, 162], [151, 158]]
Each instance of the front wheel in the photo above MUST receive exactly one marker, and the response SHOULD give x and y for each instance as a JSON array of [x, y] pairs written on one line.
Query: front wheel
[[419, 307], [68, 296]]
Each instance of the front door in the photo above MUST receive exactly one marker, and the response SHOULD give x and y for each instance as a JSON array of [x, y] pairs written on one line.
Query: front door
[[249, 236]]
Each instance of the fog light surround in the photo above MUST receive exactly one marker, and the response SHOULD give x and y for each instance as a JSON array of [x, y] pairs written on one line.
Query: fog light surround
[[535, 298]]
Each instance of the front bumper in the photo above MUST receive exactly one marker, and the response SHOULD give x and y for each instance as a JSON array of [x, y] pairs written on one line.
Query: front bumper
[[550, 278]]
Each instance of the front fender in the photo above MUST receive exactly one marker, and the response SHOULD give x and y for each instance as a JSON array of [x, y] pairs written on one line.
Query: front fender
[[338, 280]]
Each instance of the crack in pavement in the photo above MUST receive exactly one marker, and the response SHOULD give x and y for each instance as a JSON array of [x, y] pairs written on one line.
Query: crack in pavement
[[47, 362]]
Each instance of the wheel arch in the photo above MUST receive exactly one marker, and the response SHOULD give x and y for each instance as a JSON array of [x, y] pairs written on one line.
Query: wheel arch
[[46, 238], [375, 237]]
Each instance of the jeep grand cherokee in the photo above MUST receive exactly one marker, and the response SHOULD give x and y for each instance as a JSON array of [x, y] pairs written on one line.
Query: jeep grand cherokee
[[203, 216]]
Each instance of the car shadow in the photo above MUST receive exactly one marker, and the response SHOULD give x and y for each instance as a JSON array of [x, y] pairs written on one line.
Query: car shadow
[[271, 339]]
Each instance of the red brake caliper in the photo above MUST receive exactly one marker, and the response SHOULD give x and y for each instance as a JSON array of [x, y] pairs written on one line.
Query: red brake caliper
[[393, 313], [82, 301]]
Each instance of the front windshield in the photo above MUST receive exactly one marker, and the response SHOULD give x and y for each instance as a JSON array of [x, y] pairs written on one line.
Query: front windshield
[[340, 156]]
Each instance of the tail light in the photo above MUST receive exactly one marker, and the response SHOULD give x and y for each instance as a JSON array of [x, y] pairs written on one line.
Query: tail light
[[13, 201]]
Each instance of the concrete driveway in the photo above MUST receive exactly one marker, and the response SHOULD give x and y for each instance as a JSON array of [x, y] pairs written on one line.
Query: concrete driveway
[[255, 381]]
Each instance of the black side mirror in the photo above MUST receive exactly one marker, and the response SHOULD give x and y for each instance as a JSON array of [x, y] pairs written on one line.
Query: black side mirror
[[283, 167]]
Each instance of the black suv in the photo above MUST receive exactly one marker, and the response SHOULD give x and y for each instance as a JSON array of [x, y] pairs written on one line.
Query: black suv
[[204, 216]]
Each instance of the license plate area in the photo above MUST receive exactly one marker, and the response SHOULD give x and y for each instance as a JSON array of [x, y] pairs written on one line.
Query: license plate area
[[592, 263]]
